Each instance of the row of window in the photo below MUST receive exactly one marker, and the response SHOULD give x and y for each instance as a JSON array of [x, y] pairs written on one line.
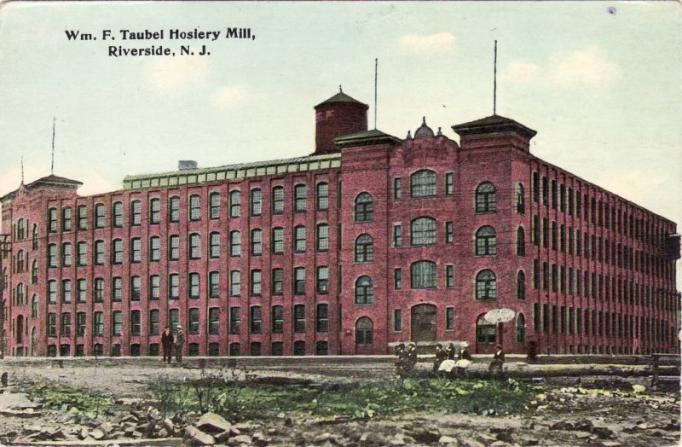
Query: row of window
[[194, 208], [135, 324], [595, 248], [576, 321], [598, 286], [595, 211]]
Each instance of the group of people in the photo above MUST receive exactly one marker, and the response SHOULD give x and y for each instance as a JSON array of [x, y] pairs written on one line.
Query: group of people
[[172, 343], [450, 353], [449, 360], [407, 358]]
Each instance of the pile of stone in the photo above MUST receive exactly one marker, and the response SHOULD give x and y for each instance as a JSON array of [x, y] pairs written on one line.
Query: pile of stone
[[212, 429]]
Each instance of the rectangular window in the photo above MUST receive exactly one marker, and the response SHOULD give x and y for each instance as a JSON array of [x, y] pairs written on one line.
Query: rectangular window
[[154, 287], [322, 237], [135, 288], [193, 321], [135, 250], [450, 319], [154, 249], [154, 211], [194, 207], [278, 240], [256, 283], [135, 212], [116, 323], [299, 281], [545, 190], [117, 214], [66, 254], [449, 276], [322, 318], [235, 203], [322, 196], [256, 202], [562, 198], [82, 217], [66, 219], [135, 323], [554, 194], [51, 325], [397, 320], [277, 319], [397, 279], [99, 215], [66, 291], [322, 279], [194, 285], [256, 242], [449, 233], [52, 255], [80, 324], [174, 209], [81, 254], [300, 197], [99, 290], [299, 239], [397, 189], [214, 205], [397, 235], [174, 248], [255, 320], [117, 252], [277, 281], [213, 321], [235, 320], [98, 324], [82, 286], [449, 184], [235, 283], [278, 200], [66, 325], [214, 285], [299, 318], [173, 286], [536, 187], [154, 324], [174, 319]]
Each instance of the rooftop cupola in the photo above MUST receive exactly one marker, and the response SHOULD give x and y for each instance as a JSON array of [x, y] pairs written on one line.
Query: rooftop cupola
[[337, 116], [424, 131]]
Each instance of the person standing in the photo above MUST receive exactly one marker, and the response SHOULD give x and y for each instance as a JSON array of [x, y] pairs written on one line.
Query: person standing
[[495, 367], [440, 356], [167, 344], [179, 345]]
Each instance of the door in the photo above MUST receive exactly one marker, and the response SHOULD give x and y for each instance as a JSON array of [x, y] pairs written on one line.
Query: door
[[423, 323]]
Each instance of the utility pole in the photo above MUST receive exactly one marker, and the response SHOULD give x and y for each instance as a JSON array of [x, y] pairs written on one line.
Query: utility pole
[[4, 251]]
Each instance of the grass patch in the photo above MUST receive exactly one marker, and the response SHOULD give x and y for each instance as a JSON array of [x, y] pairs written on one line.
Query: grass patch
[[64, 398], [244, 400]]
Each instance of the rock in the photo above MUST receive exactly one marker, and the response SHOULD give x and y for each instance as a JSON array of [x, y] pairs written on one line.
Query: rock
[[468, 442], [106, 427], [259, 439], [425, 434], [602, 432], [531, 441], [448, 441], [397, 440], [242, 440], [322, 437], [638, 389], [503, 434], [582, 434], [197, 437], [213, 423], [169, 425], [371, 438], [97, 434]]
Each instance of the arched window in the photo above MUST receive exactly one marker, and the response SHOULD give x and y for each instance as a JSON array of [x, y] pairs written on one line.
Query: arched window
[[423, 231], [34, 307], [486, 241], [21, 229], [423, 183], [364, 207], [20, 294], [520, 242], [423, 275], [485, 198], [34, 237], [364, 331], [364, 292], [20, 261], [34, 272], [486, 332], [520, 200], [521, 285], [486, 287], [364, 248], [520, 329]]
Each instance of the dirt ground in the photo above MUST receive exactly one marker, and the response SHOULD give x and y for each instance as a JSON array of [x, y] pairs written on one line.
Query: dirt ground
[[593, 412]]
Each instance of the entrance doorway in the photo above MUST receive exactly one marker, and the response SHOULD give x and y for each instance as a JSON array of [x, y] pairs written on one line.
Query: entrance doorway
[[423, 323]]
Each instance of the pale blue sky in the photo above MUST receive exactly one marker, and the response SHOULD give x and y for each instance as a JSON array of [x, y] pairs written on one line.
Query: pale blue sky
[[602, 89]]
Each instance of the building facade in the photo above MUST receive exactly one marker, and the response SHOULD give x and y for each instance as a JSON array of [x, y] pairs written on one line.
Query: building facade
[[369, 241]]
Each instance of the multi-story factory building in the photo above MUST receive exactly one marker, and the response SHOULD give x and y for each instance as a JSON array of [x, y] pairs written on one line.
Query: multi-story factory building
[[369, 241]]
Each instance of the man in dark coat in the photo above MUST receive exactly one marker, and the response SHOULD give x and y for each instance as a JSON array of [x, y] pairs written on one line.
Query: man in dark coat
[[495, 367], [167, 343], [440, 356]]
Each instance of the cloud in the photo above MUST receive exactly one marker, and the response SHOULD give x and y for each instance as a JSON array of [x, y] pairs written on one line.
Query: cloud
[[587, 66], [519, 72], [428, 43], [227, 96], [170, 75]]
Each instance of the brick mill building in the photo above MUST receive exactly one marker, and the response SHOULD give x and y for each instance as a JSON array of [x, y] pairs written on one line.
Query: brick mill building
[[369, 241]]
